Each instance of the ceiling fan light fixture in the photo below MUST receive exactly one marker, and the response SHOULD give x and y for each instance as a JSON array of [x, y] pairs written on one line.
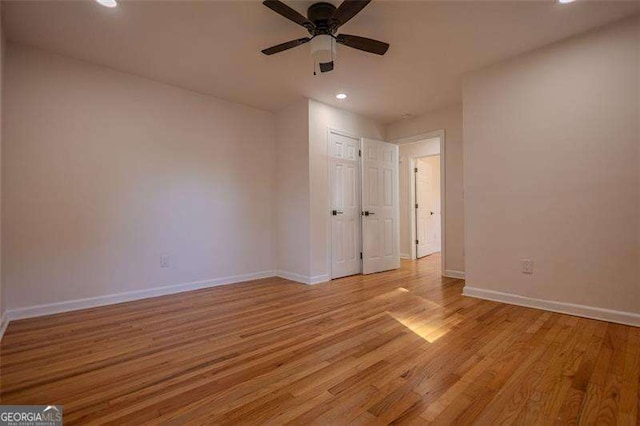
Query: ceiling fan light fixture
[[323, 49], [108, 3]]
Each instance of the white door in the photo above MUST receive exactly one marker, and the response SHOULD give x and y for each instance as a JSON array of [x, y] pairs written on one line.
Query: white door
[[427, 209], [380, 208], [344, 181], [424, 208]]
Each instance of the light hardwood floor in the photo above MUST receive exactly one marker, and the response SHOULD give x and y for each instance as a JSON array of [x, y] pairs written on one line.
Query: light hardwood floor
[[396, 347]]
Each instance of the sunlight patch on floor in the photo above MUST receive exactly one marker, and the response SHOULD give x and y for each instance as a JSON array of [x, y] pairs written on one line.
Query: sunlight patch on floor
[[428, 327]]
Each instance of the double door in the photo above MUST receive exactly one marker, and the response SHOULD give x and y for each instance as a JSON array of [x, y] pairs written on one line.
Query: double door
[[363, 179]]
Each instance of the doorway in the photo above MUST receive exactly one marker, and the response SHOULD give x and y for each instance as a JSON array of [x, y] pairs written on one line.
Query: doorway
[[412, 149]]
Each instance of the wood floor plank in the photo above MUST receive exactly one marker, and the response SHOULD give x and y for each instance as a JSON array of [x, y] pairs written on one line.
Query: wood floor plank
[[400, 347]]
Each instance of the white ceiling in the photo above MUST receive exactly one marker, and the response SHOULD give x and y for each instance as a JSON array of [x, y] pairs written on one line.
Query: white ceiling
[[214, 46]]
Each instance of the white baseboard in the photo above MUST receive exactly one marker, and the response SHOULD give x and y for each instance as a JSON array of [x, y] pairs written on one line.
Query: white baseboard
[[405, 256], [4, 322], [110, 299], [304, 279], [627, 318], [292, 276], [318, 279], [91, 302], [453, 274]]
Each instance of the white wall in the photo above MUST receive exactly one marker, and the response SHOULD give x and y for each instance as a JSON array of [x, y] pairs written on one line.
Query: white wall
[[552, 172], [292, 190], [450, 120], [408, 151], [103, 172], [321, 118], [2, 53]]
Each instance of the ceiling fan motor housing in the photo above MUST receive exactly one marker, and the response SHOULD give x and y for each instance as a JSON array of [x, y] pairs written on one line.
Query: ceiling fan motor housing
[[323, 48], [320, 14]]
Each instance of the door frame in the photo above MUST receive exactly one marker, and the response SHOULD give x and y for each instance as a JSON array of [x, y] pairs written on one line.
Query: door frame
[[331, 130], [440, 134]]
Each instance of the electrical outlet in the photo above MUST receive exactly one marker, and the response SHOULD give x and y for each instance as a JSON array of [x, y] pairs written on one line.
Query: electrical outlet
[[164, 261], [527, 266]]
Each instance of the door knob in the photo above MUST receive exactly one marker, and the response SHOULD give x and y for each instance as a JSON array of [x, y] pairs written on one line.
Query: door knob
[[432, 213], [367, 213], [336, 212]]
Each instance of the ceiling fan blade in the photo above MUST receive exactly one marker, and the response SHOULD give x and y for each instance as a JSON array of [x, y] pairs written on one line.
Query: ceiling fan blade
[[284, 46], [292, 15], [347, 10], [363, 43]]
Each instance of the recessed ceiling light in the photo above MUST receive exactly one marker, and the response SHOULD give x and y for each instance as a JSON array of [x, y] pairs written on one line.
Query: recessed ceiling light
[[341, 96], [565, 1], [108, 3]]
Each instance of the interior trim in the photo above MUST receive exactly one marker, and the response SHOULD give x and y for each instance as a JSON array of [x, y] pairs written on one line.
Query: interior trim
[[110, 299], [303, 279], [620, 317], [453, 274], [4, 322]]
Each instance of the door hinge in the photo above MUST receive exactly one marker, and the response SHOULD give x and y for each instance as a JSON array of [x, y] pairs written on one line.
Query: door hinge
[[415, 170], [416, 205], [359, 153], [360, 255], [417, 242]]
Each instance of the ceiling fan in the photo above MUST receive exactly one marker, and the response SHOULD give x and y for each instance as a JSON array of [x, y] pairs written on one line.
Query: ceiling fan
[[322, 23]]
